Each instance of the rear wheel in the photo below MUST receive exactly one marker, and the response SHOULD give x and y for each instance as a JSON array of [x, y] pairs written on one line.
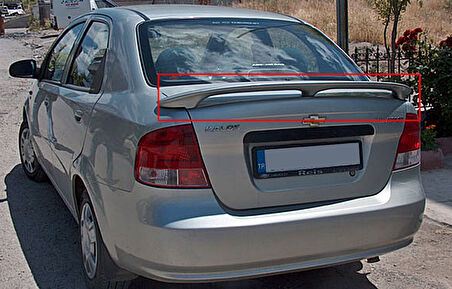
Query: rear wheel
[[97, 263], [28, 159]]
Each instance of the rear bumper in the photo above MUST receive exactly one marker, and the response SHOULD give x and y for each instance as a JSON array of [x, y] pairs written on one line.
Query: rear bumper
[[185, 236]]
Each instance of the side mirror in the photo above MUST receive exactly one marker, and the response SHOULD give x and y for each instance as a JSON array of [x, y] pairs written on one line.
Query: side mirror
[[24, 69]]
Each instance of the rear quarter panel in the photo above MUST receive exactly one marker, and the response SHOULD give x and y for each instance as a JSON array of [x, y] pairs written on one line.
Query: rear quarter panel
[[123, 114]]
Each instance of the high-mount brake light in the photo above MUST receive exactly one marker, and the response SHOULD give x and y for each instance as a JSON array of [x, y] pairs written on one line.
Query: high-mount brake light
[[409, 149], [170, 157]]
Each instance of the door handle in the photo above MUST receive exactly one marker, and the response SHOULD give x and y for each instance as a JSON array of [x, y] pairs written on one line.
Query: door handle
[[78, 114]]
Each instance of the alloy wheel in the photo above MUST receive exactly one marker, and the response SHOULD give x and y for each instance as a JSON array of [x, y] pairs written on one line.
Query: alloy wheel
[[27, 152], [88, 240]]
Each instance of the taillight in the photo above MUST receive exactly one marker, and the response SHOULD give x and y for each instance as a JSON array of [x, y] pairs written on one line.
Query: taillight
[[170, 157], [409, 149]]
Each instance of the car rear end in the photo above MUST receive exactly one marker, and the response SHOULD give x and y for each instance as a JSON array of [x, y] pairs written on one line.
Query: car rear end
[[215, 213], [272, 169]]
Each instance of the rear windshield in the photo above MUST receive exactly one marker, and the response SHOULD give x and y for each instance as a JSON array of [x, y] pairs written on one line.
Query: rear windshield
[[239, 46]]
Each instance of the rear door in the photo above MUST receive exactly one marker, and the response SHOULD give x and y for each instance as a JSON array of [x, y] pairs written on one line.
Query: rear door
[[73, 105], [47, 93]]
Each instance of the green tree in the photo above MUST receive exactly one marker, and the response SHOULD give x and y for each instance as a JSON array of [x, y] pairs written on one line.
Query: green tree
[[391, 11]]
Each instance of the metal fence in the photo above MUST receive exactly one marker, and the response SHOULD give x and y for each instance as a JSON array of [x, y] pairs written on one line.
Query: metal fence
[[377, 60]]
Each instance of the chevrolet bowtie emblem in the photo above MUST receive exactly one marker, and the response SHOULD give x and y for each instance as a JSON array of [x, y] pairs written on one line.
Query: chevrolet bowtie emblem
[[314, 120]]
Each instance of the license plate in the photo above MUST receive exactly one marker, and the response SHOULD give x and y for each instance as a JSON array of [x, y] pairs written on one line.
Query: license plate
[[271, 162]]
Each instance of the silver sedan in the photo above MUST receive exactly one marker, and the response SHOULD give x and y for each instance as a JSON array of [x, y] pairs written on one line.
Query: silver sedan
[[197, 143]]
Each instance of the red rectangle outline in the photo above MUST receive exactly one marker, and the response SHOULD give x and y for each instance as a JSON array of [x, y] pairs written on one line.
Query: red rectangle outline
[[288, 120]]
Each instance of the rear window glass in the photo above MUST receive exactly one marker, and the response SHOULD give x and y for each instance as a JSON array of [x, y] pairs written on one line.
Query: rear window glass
[[239, 46]]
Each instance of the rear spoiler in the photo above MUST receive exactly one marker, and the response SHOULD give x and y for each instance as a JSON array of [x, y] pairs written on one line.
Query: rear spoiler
[[189, 98]]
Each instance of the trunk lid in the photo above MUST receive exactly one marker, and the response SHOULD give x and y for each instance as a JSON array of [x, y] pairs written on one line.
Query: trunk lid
[[241, 123]]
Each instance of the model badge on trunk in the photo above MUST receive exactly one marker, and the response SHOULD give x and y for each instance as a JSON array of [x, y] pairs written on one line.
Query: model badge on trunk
[[221, 128], [314, 120]]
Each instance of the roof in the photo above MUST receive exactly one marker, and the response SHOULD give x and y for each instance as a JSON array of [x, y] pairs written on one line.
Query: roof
[[200, 11]]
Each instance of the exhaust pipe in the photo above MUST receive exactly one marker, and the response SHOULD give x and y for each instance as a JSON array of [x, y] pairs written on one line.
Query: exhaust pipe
[[373, 259]]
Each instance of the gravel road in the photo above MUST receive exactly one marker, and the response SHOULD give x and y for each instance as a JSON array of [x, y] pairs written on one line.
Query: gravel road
[[39, 243]]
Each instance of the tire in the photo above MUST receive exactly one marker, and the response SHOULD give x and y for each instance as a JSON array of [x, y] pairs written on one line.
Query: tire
[[100, 272], [28, 158]]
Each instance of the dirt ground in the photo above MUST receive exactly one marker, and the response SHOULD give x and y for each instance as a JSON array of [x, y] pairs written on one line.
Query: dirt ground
[[39, 243]]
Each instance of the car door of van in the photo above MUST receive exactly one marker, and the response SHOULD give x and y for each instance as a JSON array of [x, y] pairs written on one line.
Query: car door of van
[[73, 105], [64, 11], [49, 86]]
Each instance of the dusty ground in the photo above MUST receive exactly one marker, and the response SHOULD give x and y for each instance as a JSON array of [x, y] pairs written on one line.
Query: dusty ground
[[38, 237]]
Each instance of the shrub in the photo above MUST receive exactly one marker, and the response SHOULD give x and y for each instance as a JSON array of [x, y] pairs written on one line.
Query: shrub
[[409, 40], [34, 25], [435, 66], [428, 135]]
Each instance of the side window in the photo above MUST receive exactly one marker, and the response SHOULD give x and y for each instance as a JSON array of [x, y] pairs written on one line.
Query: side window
[[60, 54], [89, 56]]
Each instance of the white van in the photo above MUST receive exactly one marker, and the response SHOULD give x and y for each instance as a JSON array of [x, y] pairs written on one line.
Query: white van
[[62, 12]]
